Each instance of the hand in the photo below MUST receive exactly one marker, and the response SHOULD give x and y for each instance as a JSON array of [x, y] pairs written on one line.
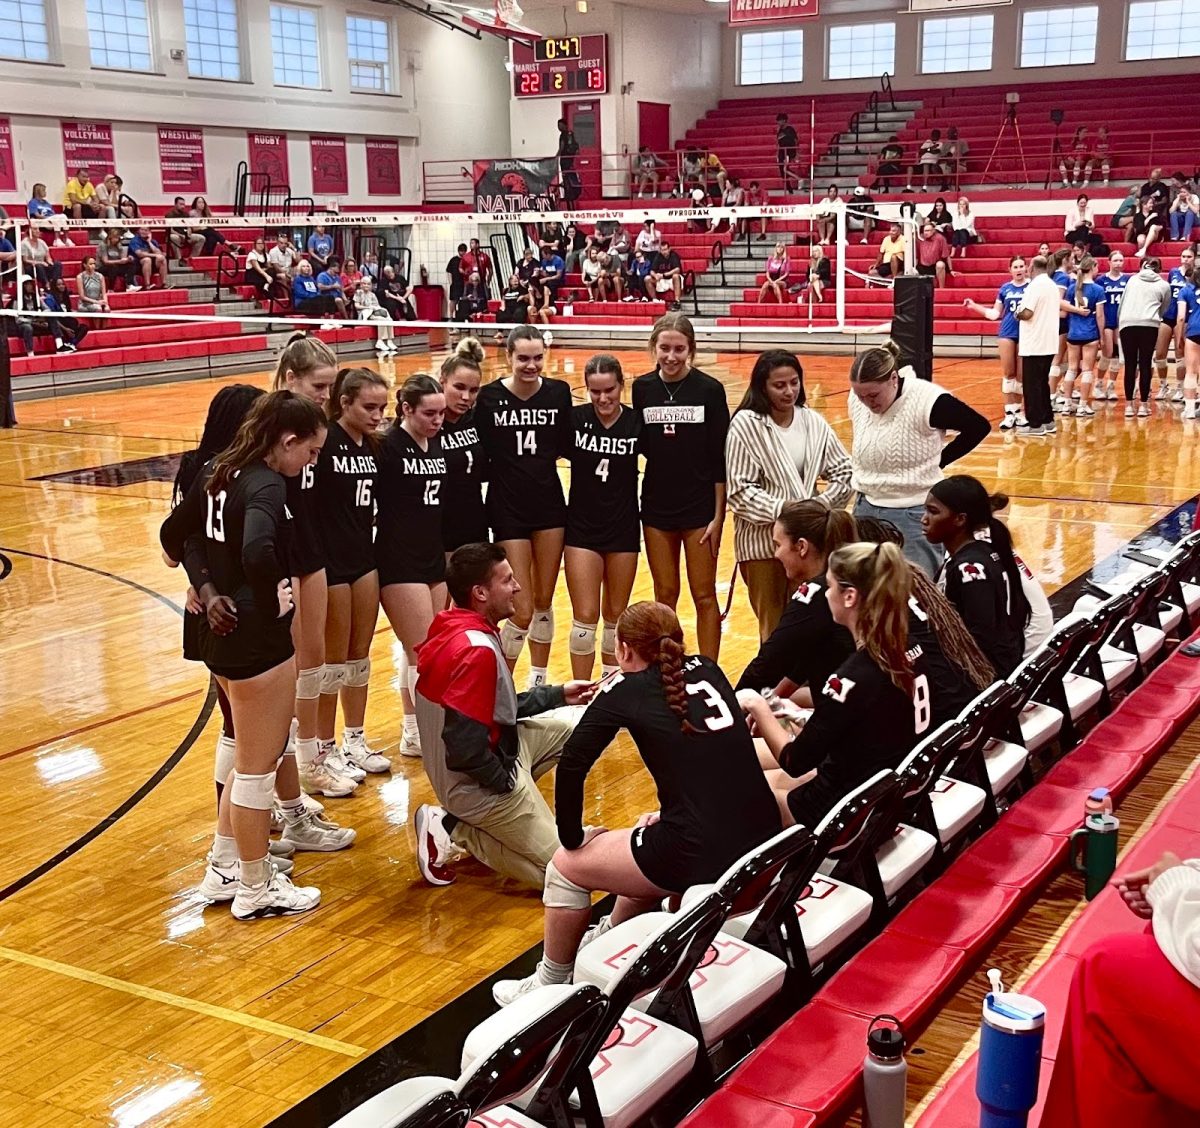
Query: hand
[[221, 613], [1133, 886], [750, 699], [712, 536], [579, 692], [283, 592], [648, 819], [192, 603]]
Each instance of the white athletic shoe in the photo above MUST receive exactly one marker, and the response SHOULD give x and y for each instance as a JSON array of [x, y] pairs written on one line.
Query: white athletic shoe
[[436, 851], [1144, 411], [1084, 409], [278, 848], [1009, 421], [1177, 395], [311, 804], [410, 745], [1060, 404], [337, 763], [219, 883], [356, 753], [598, 929], [1075, 394], [1129, 410], [1110, 393], [510, 990], [1163, 392], [277, 896], [318, 779], [313, 833]]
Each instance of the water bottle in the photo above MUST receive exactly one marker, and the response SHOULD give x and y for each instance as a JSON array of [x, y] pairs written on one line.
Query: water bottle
[[1094, 851], [1098, 802], [1010, 1056], [885, 1074]]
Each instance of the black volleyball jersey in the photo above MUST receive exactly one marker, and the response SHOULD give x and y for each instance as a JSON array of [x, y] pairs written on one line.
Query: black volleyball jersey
[[949, 689], [237, 540], [463, 519], [524, 440], [714, 800], [975, 581], [308, 550], [602, 513], [410, 484], [806, 647], [684, 425], [346, 503]]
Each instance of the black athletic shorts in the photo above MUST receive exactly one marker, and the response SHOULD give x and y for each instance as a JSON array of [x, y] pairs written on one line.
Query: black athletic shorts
[[657, 855], [927, 270], [244, 673], [333, 579], [1195, 340], [412, 572], [1089, 341], [507, 526], [457, 533], [1171, 321], [625, 540]]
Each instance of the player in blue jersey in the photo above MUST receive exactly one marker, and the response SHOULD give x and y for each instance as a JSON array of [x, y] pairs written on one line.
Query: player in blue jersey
[[1113, 284], [1172, 329], [1189, 314], [1084, 307], [1062, 271], [1004, 310]]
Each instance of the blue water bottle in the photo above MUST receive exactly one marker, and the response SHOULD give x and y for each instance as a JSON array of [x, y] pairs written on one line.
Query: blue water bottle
[[1010, 1056]]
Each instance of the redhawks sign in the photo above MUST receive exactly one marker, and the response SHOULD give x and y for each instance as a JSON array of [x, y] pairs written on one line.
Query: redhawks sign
[[757, 11]]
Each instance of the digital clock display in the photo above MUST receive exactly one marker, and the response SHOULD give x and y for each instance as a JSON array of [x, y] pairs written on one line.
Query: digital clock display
[[560, 67]]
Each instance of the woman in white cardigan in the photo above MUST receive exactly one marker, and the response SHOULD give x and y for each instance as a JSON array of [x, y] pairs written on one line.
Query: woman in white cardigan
[[777, 450]]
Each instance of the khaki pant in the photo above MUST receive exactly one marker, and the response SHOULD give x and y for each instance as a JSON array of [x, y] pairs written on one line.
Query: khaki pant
[[515, 834], [768, 588]]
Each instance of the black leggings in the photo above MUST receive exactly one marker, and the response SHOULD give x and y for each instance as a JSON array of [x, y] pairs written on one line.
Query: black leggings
[[1137, 346]]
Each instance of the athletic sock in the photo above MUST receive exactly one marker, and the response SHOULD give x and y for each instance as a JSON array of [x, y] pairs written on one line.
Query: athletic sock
[[606, 669], [307, 750], [255, 872], [293, 809], [410, 725], [537, 676], [549, 972], [224, 850], [349, 734]]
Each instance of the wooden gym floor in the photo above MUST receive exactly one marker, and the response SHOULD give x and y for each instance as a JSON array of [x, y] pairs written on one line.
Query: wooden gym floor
[[124, 999]]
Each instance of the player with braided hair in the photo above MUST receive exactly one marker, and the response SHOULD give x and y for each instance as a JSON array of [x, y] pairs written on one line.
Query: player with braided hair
[[684, 718]]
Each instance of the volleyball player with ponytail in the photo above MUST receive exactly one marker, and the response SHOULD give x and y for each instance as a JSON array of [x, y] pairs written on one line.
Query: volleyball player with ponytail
[[464, 519], [235, 517], [715, 803]]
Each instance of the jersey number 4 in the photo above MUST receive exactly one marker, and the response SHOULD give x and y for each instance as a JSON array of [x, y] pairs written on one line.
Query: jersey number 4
[[602, 470], [214, 525], [714, 701]]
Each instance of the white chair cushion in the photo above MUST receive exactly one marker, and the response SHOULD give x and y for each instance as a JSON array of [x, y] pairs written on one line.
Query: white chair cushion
[[1004, 761], [1148, 640], [388, 1108], [492, 1033], [1040, 724], [956, 805], [505, 1116], [1083, 693], [1118, 665], [1191, 596], [1170, 616], [903, 856], [830, 912]]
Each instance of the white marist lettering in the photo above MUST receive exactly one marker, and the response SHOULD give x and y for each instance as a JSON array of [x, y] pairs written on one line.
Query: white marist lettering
[[353, 464], [605, 444], [527, 417], [424, 466], [456, 440]]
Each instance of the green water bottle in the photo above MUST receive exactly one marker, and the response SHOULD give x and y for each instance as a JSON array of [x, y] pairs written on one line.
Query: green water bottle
[[1094, 851]]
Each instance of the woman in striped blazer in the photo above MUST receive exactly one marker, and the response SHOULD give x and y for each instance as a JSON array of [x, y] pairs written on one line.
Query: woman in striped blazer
[[777, 450]]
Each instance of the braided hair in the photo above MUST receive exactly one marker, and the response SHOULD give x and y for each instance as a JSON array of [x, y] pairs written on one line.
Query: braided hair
[[652, 632], [225, 414]]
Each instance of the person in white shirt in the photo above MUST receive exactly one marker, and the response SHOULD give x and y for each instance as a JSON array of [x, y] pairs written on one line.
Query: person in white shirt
[[1037, 345], [648, 240], [367, 305], [962, 233], [282, 258]]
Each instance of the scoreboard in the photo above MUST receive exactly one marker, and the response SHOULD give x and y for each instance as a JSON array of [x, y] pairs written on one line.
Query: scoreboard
[[560, 67]]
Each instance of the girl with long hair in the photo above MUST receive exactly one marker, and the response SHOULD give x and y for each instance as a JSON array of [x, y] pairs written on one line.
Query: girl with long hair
[[1171, 331], [776, 452], [1113, 283], [684, 414], [714, 803], [1004, 310], [464, 517], [603, 536], [236, 510], [775, 280], [1084, 305], [524, 422]]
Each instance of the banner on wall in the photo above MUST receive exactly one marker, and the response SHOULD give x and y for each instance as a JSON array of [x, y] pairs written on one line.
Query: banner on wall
[[329, 173], [506, 186], [268, 153], [181, 160], [8, 158], [88, 144], [383, 166], [759, 11]]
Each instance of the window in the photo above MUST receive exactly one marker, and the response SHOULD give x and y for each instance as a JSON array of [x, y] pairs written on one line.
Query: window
[[771, 56], [861, 50], [119, 31], [370, 54], [24, 23], [1055, 37], [1159, 30], [213, 48], [294, 46], [960, 43]]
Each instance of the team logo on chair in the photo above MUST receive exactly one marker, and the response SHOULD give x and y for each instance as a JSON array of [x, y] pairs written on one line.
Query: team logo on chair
[[837, 688], [972, 571]]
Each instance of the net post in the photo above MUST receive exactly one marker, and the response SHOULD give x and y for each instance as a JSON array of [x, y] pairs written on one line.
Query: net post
[[842, 243]]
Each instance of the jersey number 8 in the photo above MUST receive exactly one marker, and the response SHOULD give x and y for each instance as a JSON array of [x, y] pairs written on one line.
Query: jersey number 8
[[214, 526], [921, 704], [714, 701]]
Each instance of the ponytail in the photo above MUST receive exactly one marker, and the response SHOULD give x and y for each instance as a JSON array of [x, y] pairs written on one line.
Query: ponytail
[[301, 355], [652, 632], [883, 580], [270, 418], [812, 520], [957, 643]]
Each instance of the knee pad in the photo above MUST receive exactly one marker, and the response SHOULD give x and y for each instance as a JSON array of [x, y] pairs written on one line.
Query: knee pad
[[308, 684], [608, 639], [223, 762], [1190, 382], [358, 673], [582, 639], [1161, 365], [1055, 371], [410, 677], [1085, 377], [1070, 375], [333, 676], [1009, 386], [541, 628], [559, 893], [257, 792], [512, 639]]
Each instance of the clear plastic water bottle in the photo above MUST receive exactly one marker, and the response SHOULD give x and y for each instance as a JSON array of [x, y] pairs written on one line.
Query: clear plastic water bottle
[[885, 1073]]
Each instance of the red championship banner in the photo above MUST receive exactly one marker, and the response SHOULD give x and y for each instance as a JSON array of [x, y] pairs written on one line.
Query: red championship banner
[[88, 144], [268, 153], [761, 11], [181, 160], [329, 174], [8, 158], [383, 166]]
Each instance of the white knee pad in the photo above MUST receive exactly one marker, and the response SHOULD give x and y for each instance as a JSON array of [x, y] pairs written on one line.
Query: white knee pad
[[308, 684], [1010, 386], [358, 673], [1055, 371], [559, 893], [1085, 377], [1069, 378], [1161, 365], [512, 639], [541, 629], [608, 639], [223, 762], [410, 676], [254, 791], [1189, 383], [333, 676], [582, 639]]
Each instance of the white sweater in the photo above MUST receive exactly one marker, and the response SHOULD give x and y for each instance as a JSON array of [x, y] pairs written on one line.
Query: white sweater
[[897, 455], [1175, 899], [761, 475]]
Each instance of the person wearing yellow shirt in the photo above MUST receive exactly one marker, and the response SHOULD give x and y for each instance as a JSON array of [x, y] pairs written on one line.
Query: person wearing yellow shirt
[[891, 254], [79, 198]]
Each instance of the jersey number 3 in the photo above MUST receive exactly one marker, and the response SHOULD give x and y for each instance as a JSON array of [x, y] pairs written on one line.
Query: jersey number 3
[[714, 701], [214, 526]]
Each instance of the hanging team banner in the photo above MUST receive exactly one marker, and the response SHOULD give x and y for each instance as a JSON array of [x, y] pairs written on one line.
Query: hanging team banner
[[383, 166], [8, 158], [758, 11], [329, 173], [88, 144], [268, 153], [181, 160], [505, 186]]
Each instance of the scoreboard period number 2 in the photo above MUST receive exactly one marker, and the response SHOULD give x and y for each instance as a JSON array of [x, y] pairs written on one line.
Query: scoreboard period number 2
[[560, 67]]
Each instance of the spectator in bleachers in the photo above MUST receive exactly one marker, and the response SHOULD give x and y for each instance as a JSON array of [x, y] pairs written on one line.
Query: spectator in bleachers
[[8, 260], [954, 159], [929, 158], [777, 270], [79, 196], [715, 176], [1122, 218], [307, 299], [939, 215], [666, 275], [186, 240], [367, 306], [515, 307], [590, 270], [648, 239], [91, 290], [116, 265], [37, 259], [755, 198], [786, 148], [1080, 223], [212, 237], [933, 254], [396, 295], [553, 234], [149, 257], [370, 266], [619, 243], [639, 271], [543, 293], [474, 300], [891, 157], [963, 232], [59, 297], [329, 285], [612, 277], [890, 261], [1147, 226], [827, 215], [646, 172], [29, 325], [691, 172], [350, 276], [1155, 188], [816, 278], [258, 271], [1102, 152], [862, 215], [39, 207], [1076, 163], [108, 196], [454, 275], [320, 248], [477, 261], [575, 243], [282, 258], [1184, 209]]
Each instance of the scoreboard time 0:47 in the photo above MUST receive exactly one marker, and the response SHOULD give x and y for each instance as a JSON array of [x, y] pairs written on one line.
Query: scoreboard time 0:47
[[560, 67]]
